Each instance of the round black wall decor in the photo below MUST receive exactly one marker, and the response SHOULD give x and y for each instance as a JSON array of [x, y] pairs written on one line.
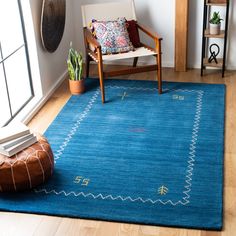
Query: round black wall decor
[[52, 23]]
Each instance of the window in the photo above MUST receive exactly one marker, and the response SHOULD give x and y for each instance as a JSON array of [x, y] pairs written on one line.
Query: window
[[16, 87]]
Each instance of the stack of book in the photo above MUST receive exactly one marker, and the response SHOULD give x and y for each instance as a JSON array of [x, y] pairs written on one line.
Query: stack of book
[[14, 138]]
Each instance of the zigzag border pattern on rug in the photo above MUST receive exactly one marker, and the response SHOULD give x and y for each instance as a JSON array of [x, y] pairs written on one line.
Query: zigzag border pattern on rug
[[192, 152], [101, 196], [76, 125]]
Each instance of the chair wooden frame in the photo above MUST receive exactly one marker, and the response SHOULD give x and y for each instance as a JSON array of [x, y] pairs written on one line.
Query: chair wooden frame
[[97, 57]]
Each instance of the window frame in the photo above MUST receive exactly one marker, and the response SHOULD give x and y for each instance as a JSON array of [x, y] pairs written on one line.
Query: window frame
[[25, 45]]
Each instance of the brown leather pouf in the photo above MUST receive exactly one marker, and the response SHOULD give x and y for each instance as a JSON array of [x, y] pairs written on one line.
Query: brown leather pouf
[[28, 168]]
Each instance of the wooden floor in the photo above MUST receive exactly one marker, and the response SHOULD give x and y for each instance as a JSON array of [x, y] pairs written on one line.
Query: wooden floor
[[25, 224]]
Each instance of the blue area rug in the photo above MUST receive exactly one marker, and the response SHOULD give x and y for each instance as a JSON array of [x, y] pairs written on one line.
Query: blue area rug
[[141, 157]]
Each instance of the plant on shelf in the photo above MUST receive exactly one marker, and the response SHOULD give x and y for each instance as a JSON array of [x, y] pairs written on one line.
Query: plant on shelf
[[215, 23], [75, 70]]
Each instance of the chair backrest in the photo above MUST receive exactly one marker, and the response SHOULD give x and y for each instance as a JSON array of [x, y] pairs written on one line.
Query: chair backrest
[[108, 11]]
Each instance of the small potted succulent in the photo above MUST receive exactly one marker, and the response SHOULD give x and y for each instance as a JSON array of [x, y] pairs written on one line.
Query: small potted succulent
[[215, 23], [75, 70]]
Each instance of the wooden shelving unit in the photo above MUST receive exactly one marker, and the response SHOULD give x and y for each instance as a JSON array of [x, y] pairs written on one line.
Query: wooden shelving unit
[[206, 36], [213, 64], [216, 4]]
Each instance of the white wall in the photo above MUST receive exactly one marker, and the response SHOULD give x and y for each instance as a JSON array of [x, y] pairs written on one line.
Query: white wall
[[159, 15], [231, 56], [53, 65], [195, 33]]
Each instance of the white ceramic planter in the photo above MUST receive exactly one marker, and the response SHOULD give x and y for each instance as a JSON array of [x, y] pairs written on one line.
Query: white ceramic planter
[[215, 28]]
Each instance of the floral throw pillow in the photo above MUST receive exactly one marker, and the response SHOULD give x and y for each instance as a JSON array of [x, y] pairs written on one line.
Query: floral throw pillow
[[112, 36]]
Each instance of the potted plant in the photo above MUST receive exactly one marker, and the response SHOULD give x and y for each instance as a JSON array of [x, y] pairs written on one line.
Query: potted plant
[[215, 23], [75, 70]]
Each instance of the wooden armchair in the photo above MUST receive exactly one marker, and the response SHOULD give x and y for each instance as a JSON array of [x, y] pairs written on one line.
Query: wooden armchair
[[111, 11]]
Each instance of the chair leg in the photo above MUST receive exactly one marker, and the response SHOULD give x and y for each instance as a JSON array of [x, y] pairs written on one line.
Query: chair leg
[[135, 61], [159, 67], [159, 73], [101, 78], [87, 63]]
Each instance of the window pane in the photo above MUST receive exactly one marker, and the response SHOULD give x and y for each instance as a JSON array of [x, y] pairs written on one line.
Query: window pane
[[4, 106], [11, 36], [18, 79]]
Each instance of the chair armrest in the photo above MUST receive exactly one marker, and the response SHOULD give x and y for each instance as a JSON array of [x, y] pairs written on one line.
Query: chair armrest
[[90, 38], [147, 31]]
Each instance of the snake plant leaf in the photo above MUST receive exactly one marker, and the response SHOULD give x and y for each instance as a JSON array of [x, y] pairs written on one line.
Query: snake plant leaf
[[75, 64]]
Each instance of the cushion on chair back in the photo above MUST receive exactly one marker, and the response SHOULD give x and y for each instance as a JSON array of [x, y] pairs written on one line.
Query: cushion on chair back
[[112, 36], [133, 33], [108, 11]]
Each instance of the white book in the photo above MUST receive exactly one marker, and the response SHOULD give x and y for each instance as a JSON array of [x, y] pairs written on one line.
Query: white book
[[13, 142], [18, 147], [13, 131]]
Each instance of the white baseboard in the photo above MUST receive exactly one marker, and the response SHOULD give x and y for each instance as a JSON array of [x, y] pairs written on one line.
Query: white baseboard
[[140, 62], [198, 66], [231, 67], [38, 104]]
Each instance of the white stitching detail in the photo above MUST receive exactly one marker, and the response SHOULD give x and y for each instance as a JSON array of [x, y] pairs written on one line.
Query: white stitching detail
[[48, 157], [100, 196], [192, 149], [28, 174], [41, 166], [13, 177], [76, 125]]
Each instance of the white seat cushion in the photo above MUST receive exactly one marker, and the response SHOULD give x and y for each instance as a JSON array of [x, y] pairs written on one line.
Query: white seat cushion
[[139, 52]]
